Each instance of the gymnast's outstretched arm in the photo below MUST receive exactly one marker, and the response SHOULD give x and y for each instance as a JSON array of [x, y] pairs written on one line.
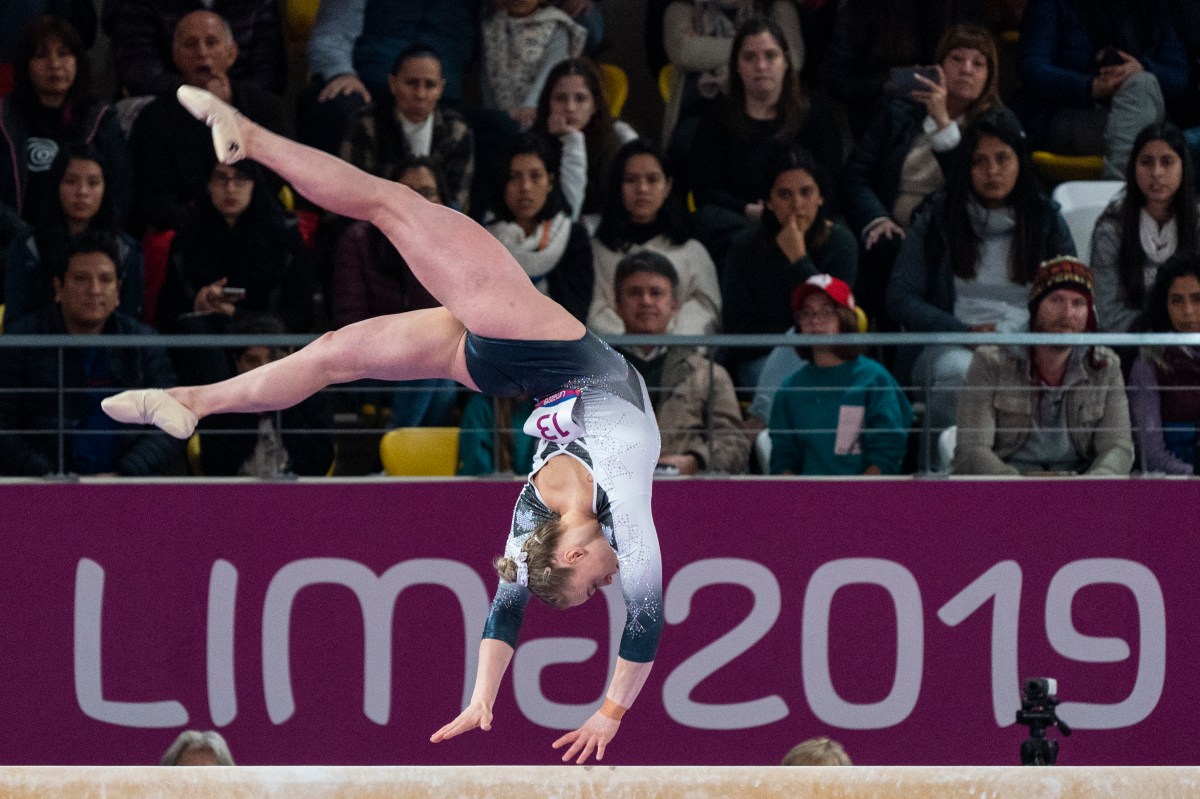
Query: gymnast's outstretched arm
[[627, 682], [591, 738]]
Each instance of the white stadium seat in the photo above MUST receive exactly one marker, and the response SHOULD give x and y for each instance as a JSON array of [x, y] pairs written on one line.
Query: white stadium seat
[[1082, 202]]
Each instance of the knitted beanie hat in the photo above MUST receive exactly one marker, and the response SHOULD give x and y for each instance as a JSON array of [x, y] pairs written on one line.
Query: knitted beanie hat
[[1063, 272]]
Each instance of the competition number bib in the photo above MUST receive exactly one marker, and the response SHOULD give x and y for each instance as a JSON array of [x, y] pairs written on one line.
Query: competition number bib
[[552, 418]]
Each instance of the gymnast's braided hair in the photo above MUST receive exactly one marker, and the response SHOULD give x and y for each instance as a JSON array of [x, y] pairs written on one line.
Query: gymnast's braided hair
[[545, 579]]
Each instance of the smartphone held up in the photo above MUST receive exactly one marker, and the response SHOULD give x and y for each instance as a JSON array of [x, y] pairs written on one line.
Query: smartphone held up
[[903, 81]]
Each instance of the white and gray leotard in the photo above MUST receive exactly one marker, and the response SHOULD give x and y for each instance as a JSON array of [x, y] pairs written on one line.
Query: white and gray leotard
[[620, 447]]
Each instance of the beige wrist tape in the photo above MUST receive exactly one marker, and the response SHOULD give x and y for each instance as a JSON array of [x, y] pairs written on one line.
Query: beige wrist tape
[[612, 710]]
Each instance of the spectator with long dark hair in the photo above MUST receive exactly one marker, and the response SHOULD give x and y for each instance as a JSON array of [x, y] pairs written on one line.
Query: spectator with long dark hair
[[1164, 384], [532, 221], [236, 255], [572, 110], [14, 16], [697, 36], [1152, 219], [970, 255], [766, 111], [794, 240], [643, 213], [82, 205], [51, 105], [902, 157]]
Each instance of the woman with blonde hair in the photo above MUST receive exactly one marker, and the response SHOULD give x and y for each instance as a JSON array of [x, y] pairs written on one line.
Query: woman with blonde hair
[[584, 512], [817, 752]]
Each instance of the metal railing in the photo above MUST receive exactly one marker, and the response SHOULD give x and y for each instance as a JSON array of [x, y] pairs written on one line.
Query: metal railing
[[872, 343]]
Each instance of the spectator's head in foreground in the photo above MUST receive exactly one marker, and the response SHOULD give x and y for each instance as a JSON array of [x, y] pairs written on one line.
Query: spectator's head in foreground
[[817, 752], [196, 748]]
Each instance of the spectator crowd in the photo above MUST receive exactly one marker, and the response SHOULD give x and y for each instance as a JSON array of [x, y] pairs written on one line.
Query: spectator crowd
[[823, 167]]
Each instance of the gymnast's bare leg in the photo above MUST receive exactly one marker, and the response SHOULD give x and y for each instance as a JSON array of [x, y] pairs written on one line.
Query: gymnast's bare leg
[[479, 284]]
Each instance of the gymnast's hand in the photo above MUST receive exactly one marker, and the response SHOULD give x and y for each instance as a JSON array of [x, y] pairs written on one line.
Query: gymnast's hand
[[477, 714], [595, 734]]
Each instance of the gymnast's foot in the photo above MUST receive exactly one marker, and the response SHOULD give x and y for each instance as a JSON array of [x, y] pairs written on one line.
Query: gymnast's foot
[[152, 406], [218, 115]]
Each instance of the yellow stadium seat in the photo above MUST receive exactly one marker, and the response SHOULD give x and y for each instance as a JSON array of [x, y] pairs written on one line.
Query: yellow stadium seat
[[193, 455], [1058, 168], [287, 198], [298, 18], [860, 317], [615, 84], [665, 76], [420, 451]]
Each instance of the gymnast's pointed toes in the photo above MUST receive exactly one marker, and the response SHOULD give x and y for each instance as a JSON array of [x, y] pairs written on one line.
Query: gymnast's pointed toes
[[218, 115], [152, 406]]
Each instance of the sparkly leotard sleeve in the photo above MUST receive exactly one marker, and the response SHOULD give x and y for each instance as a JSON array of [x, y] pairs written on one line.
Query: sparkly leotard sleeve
[[620, 447]]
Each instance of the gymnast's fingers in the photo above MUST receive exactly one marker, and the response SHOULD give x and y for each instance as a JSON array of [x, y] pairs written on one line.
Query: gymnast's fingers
[[469, 719], [575, 747], [587, 751], [447, 731]]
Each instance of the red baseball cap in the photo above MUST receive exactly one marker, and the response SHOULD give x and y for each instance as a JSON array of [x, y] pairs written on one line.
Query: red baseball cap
[[835, 289]]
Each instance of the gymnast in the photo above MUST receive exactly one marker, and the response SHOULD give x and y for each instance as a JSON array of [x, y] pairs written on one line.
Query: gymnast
[[578, 518]]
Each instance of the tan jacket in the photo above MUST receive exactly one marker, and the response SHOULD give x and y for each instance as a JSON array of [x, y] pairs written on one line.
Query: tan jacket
[[996, 407], [682, 403]]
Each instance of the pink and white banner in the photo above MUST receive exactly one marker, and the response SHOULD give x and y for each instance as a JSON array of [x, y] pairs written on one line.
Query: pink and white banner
[[337, 623]]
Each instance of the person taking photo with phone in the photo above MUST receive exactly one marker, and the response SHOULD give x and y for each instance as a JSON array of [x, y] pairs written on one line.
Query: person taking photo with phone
[[902, 157], [237, 255]]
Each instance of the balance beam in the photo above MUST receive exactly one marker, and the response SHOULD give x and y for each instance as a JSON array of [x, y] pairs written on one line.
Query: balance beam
[[597, 782]]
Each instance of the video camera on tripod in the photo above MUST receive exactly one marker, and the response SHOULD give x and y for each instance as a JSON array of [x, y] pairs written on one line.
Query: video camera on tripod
[[1037, 713]]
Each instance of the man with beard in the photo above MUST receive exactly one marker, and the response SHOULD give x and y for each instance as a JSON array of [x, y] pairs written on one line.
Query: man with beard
[[1047, 409]]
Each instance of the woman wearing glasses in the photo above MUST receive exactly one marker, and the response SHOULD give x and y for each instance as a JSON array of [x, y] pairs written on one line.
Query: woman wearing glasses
[[235, 256]]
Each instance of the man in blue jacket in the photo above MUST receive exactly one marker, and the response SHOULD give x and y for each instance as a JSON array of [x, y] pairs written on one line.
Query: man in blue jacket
[[86, 299]]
